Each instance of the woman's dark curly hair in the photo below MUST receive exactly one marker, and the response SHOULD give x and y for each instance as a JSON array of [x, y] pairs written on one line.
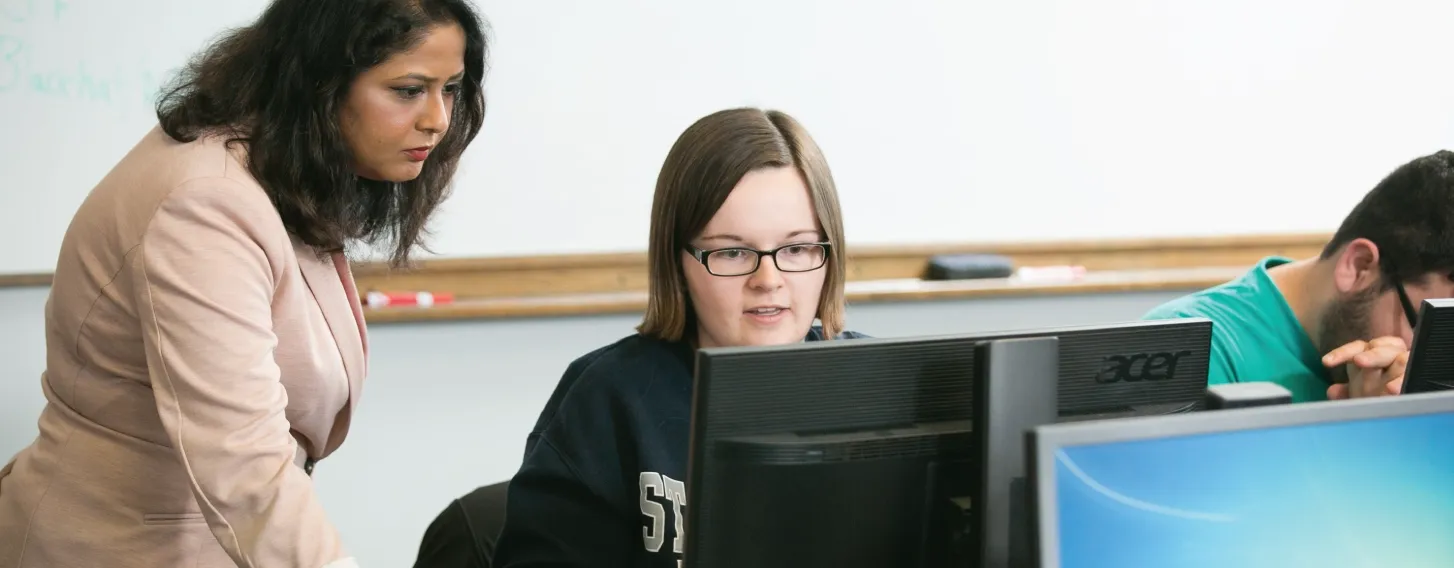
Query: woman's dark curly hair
[[277, 86]]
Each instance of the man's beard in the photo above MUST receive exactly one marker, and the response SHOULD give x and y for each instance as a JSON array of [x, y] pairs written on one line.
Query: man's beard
[[1345, 320]]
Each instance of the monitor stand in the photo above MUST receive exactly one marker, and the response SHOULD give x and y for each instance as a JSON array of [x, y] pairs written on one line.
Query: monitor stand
[[1016, 389]]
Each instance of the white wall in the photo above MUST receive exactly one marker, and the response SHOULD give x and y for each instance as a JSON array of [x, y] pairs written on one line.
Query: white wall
[[447, 405], [945, 120]]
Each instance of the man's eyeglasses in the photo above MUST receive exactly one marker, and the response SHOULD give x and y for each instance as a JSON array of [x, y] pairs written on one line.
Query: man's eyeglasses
[[1410, 311], [740, 261]]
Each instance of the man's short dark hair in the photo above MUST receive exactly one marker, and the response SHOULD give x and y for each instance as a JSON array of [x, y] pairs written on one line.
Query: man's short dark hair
[[1410, 217]]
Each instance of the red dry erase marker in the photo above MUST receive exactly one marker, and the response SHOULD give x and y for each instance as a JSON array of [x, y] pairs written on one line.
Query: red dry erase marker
[[377, 299]]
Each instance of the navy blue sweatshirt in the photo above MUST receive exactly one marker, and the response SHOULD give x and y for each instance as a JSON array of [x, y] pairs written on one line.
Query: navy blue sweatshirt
[[602, 483]]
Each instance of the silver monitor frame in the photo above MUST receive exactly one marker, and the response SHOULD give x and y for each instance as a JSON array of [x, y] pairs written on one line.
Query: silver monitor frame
[[1042, 442]]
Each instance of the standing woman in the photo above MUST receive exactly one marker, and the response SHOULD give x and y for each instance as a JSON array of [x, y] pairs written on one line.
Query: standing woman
[[205, 344]]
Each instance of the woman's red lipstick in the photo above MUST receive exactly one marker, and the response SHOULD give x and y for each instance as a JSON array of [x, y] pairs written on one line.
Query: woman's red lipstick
[[418, 154]]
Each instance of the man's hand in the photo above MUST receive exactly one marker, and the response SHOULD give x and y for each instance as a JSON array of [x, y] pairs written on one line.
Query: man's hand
[[1375, 368]]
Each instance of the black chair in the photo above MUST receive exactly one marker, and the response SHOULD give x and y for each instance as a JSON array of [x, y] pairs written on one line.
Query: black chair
[[465, 532]]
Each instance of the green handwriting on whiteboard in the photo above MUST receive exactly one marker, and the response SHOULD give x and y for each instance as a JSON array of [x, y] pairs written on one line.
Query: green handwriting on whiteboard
[[75, 82], [21, 11]]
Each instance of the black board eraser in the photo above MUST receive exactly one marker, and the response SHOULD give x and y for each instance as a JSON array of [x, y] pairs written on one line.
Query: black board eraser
[[969, 266], [1244, 395]]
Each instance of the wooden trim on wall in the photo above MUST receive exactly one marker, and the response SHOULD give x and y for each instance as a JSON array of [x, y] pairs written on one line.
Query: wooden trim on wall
[[582, 284], [562, 275], [24, 280], [512, 277], [856, 292]]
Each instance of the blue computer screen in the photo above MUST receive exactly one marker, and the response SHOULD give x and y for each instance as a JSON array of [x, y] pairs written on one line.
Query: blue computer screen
[[1367, 493]]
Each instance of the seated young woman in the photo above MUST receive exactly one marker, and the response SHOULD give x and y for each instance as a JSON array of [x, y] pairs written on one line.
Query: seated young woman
[[746, 249]]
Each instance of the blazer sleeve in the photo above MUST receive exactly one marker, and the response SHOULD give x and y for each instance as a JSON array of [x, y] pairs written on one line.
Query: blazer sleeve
[[204, 287]]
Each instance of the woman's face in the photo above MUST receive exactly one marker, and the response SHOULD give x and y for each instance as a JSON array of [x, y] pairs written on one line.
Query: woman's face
[[768, 209], [398, 110]]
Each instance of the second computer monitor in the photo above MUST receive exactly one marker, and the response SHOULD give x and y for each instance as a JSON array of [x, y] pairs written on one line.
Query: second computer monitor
[[1152, 369], [1342, 483]]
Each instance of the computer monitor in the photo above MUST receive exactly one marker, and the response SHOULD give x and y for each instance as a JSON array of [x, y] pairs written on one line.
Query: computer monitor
[[1365, 482], [1431, 361], [1014, 392], [861, 453]]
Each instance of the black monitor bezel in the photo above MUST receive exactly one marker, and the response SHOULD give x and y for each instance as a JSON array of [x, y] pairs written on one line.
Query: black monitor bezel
[[704, 359], [1414, 382]]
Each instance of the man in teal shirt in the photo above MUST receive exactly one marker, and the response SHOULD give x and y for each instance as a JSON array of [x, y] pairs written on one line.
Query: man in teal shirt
[[1338, 325]]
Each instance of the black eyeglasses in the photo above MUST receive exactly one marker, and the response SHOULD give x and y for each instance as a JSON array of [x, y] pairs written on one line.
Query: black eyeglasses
[[1409, 311], [739, 261]]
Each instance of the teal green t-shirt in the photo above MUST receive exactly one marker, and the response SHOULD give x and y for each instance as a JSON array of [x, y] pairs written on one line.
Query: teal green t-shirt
[[1255, 336]]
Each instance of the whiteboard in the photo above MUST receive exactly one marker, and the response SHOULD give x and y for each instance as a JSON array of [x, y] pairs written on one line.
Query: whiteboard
[[944, 121]]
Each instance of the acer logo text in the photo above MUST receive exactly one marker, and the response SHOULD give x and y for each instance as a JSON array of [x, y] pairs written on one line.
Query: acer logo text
[[1139, 367]]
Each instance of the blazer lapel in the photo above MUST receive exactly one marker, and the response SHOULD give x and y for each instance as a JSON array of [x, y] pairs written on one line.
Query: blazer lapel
[[332, 285]]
